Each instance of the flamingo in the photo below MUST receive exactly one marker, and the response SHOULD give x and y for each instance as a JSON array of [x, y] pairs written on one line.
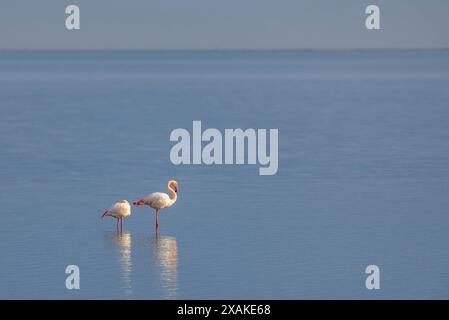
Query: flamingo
[[119, 210], [159, 200]]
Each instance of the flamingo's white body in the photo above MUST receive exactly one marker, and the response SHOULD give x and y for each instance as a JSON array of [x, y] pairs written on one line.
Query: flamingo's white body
[[160, 200], [119, 210]]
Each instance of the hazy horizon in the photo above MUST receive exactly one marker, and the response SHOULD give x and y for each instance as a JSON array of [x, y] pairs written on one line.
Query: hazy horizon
[[200, 25], [220, 50]]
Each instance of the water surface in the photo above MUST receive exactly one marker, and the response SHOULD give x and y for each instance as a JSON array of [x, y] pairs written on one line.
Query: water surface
[[363, 175]]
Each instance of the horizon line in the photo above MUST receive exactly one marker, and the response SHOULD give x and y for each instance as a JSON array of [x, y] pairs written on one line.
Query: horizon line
[[222, 49]]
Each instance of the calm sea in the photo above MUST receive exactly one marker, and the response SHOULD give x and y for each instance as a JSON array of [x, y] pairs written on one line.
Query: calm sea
[[363, 175]]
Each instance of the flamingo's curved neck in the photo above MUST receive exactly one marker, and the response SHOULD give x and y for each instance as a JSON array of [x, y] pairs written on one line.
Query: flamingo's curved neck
[[172, 192]]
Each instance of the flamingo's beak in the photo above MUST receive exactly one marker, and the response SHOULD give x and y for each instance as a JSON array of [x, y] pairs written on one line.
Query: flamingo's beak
[[176, 189]]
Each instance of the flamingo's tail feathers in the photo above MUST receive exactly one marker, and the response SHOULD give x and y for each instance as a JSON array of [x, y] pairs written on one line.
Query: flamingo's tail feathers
[[139, 202], [104, 214]]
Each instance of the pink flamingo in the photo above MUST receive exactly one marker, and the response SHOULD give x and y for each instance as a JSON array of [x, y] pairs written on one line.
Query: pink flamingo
[[159, 200], [119, 210]]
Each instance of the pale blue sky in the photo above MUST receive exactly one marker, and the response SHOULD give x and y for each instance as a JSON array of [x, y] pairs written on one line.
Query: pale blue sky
[[223, 24]]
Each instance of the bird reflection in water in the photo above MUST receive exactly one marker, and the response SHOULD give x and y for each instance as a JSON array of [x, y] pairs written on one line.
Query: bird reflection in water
[[165, 250], [124, 241]]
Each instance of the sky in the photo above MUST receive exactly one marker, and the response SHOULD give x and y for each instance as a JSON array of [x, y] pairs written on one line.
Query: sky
[[223, 24]]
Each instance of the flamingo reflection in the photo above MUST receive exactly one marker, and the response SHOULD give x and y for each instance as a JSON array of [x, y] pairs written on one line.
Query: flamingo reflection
[[166, 254], [124, 241]]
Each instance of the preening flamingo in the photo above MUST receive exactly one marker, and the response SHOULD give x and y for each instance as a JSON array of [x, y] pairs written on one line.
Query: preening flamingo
[[159, 200], [119, 210]]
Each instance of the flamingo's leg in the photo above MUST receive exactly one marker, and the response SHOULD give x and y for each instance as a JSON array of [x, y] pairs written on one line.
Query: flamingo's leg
[[117, 226], [121, 224], [157, 223]]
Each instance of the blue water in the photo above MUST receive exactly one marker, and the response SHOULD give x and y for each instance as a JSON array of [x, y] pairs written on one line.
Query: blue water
[[363, 175]]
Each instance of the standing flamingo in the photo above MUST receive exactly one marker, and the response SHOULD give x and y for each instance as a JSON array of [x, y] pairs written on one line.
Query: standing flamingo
[[119, 210], [159, 200]]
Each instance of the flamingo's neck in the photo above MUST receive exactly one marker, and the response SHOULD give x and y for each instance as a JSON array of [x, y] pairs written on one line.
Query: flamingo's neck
[[172, 192]]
